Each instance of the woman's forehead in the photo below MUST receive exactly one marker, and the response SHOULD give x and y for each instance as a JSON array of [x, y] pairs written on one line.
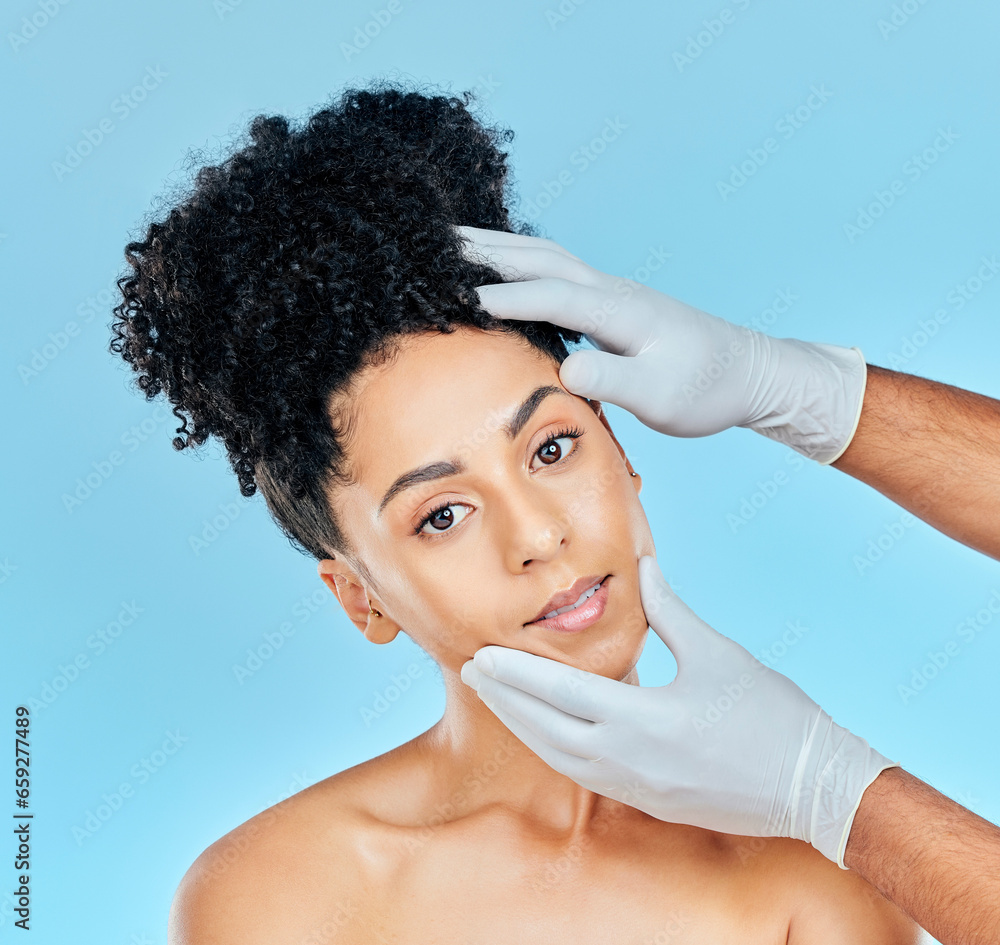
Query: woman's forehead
[[438, 392], [437, 376]]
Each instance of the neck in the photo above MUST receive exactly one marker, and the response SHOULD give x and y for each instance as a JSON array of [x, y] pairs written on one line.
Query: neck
[[482, 764]]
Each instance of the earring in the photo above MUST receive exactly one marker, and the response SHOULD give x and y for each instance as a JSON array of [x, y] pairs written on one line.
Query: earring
[[633, 474], [373, 611]]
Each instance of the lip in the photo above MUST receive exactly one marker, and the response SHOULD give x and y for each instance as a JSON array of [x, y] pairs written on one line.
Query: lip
[[589, 612]]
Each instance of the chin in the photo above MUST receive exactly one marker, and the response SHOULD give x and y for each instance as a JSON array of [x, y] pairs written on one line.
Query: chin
[[613, 654]]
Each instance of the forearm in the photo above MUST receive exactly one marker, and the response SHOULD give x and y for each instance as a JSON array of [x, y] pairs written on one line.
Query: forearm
[[939, 862], [935, 450]]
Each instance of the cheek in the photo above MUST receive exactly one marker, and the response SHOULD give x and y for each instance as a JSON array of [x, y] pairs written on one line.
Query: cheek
[[624, 515], [639, 525], [441, 609], [606, 504]]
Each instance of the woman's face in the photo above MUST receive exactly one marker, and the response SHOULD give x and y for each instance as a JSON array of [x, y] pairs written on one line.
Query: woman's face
[[483, 488]]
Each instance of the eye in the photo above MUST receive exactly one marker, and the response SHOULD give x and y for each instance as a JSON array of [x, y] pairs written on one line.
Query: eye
[[441, 519], [558, 446]]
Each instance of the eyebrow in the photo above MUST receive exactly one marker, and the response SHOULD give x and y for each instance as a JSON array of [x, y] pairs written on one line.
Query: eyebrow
[[439, 470]]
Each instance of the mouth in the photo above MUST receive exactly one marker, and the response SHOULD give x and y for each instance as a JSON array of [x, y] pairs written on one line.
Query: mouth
[[579, 607]]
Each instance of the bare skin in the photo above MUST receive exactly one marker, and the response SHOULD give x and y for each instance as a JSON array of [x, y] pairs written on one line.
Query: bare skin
[[934, 858], [933, 449], [464, 835], [390, 851]]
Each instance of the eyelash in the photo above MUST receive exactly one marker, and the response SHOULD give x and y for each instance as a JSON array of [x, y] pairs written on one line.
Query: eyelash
[[573, 432]]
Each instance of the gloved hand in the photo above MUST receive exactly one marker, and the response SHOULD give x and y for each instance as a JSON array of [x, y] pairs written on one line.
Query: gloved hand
[[727, 745], [679, 370]]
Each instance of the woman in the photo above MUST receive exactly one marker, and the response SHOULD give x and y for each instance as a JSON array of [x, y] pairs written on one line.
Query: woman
[[309, 304]]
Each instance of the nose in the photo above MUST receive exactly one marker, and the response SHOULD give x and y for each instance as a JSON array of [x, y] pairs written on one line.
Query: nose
[[537, 530]]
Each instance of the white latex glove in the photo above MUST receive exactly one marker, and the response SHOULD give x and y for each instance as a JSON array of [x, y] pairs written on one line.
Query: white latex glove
[[681, 371], [728, 744]]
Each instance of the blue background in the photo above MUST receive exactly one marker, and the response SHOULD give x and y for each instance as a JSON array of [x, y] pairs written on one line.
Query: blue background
[[558, 79]]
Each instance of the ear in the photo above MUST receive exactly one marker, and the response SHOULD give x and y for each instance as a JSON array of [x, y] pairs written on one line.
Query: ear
[[598, 408], [343, 580]]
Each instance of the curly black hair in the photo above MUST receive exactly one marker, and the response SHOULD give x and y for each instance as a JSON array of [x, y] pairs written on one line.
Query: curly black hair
[[294, 263]]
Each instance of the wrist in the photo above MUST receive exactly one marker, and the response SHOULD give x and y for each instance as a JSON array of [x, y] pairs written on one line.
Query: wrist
[[852, 767], [841, 767], [862, 832], [809, 395]]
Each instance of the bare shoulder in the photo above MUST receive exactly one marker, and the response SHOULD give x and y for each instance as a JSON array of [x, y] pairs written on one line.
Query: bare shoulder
[[293, 873], [826, 904]]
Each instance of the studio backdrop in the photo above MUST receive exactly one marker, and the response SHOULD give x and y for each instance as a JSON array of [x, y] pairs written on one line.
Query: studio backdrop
[[824, 172]]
